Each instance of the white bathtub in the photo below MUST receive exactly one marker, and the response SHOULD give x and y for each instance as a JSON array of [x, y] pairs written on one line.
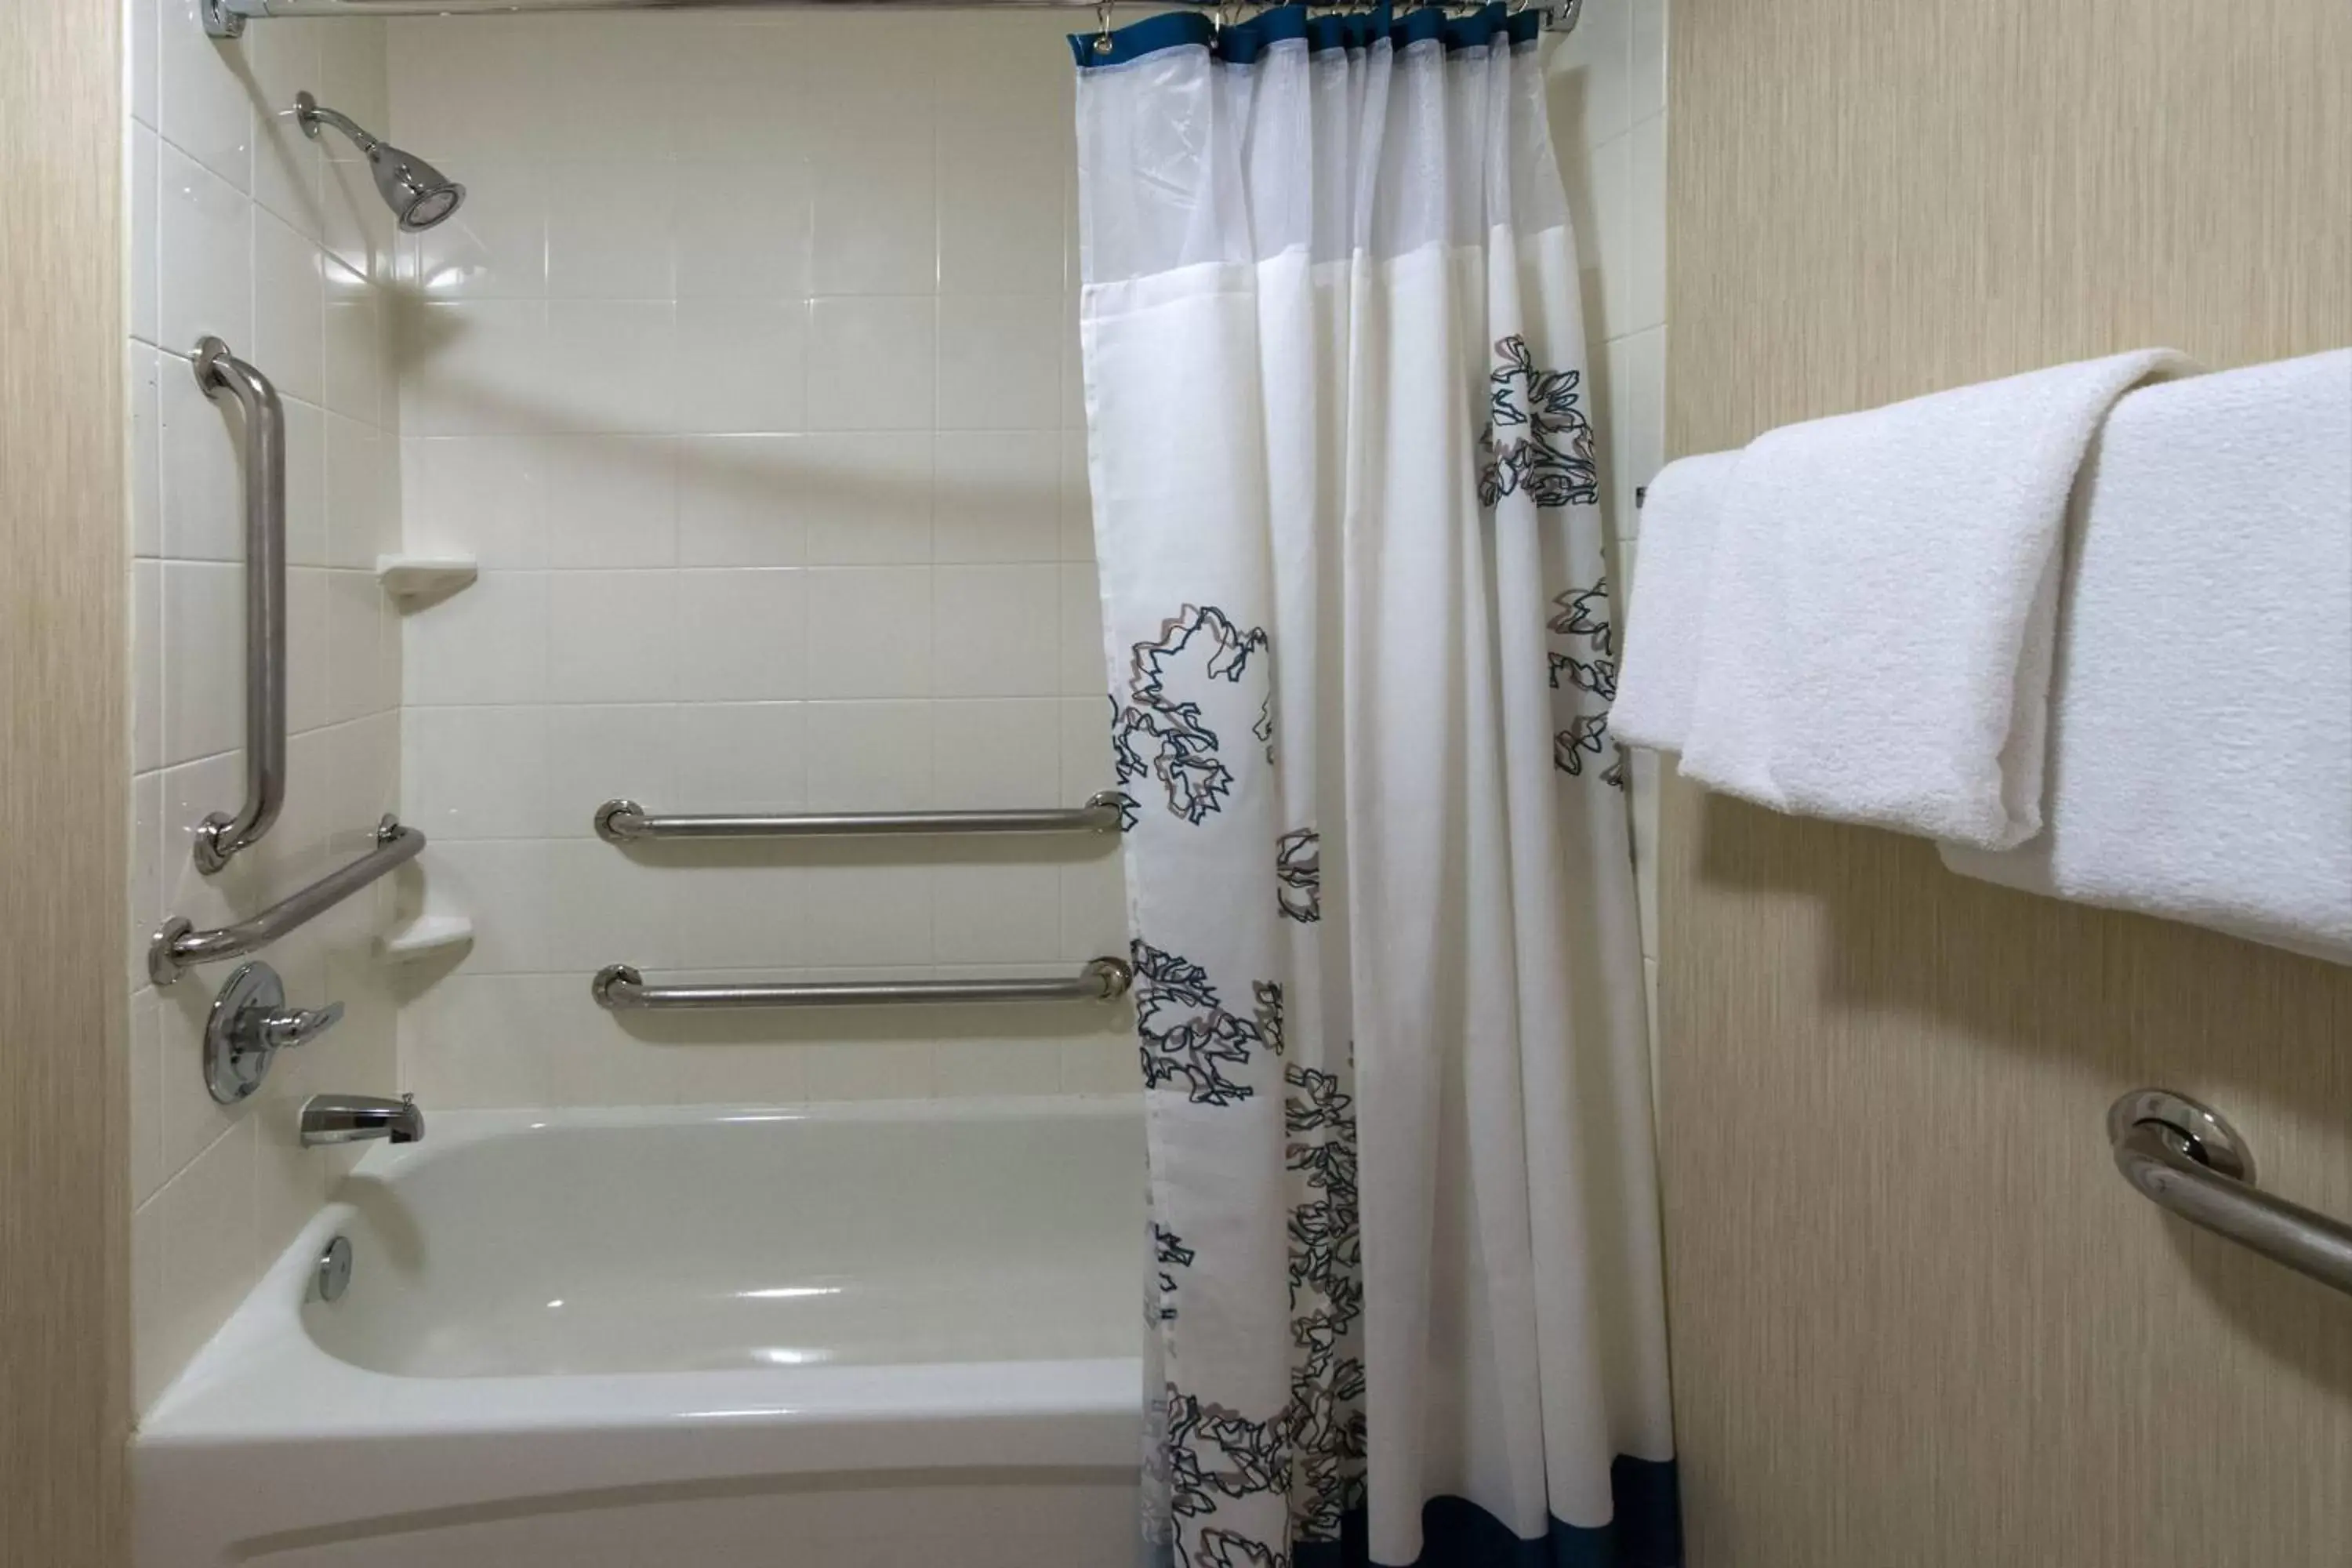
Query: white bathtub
[[895, 1335]]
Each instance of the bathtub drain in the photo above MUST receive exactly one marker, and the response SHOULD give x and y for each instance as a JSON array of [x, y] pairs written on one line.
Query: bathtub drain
[[334, 1275]]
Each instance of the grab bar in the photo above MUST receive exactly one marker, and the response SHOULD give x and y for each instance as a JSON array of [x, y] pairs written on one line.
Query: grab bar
[[2183, 1156], [179, 945], [626, 822], [221, 835], [621, 989]]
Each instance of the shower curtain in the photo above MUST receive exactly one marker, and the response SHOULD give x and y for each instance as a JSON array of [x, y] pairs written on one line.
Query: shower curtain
[[1404, 1303]]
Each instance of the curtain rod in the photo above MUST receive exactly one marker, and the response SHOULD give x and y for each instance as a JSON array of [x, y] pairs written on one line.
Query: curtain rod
[[226, 18]]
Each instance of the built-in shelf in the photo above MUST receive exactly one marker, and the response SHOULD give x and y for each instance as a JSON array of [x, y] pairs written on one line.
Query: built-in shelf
[[415, 580], [425, 935]]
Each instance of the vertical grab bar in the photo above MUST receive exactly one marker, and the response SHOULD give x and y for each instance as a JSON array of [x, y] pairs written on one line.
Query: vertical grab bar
[[221, 835]]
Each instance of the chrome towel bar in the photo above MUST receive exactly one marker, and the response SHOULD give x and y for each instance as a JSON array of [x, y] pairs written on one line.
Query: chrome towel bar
[[179, 945], [626, 822], [220, 836], [2185, 1157], [621, 989]]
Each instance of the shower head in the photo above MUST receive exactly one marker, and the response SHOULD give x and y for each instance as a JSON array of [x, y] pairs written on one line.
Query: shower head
[[419, 195]]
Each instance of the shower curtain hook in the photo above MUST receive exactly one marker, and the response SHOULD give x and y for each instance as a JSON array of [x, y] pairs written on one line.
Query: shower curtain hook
[[1102, 38]]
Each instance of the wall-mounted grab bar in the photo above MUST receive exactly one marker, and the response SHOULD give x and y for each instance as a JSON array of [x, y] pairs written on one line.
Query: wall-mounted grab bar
[[2185, 1157], [179, 945], [223, 834], [626, 822], [621, 989]]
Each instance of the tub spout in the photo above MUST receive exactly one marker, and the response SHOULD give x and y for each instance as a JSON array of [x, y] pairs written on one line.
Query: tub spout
[[354, 1118]]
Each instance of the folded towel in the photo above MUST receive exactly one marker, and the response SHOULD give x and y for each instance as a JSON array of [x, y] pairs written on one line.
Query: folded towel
[[1879, 617], [1664, 620], [2201, 747]]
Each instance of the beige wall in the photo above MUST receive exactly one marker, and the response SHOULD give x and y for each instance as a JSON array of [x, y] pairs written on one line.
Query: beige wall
[[241, 227], [64, 1287], [1918, 1317]]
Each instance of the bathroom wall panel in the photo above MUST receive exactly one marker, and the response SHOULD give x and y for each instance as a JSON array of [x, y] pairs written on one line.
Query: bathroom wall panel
[[1918, 1317], [66, 734]]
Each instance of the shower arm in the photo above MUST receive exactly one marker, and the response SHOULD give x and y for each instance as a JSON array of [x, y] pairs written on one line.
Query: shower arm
[[313, 114]]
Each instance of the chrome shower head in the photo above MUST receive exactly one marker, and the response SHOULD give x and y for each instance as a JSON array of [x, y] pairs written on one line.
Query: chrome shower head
[[419, 195]]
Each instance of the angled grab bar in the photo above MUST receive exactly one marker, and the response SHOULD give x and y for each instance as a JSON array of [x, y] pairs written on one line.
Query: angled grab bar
[[2183, 1156], [179, 945], [626, 822], [621, 989], [221, 835]]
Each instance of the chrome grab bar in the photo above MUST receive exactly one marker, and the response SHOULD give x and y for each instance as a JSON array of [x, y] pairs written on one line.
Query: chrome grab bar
[[626, 822], [2184, 1157], [179, 945], [621, 989], [221, 835]]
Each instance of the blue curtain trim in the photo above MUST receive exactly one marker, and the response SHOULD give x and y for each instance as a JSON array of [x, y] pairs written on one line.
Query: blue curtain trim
[[1646, 1531], [1245, 41]]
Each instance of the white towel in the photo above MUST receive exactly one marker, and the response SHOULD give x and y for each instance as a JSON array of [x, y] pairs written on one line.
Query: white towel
[[1878, 620], [2200, 755], [1665, 620]]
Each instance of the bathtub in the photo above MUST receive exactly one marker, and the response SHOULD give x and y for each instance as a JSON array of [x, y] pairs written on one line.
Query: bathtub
[[898, 1335]]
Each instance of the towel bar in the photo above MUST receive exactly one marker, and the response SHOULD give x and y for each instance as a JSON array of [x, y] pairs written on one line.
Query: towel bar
[[621, 989], [626, 822], [2184, 1157]]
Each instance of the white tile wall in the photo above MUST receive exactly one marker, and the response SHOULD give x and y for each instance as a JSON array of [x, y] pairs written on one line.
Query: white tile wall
[[1608, 120], [761, 431], [239, 226]]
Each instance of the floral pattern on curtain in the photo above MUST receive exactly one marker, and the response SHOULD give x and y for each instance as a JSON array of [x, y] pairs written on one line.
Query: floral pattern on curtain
[[1403, 1300]]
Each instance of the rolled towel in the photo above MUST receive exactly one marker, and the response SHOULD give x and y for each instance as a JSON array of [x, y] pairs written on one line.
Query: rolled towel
[[2201, 746], [1666, 618], [1878, 621]]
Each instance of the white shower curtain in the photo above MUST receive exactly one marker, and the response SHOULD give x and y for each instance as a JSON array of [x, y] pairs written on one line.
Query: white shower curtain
[[1405, 1304]]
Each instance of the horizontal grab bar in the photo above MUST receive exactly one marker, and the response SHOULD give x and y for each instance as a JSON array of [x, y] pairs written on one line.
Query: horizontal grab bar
[[179, 945], [626, 822], [2184, 1157], [621, 989]]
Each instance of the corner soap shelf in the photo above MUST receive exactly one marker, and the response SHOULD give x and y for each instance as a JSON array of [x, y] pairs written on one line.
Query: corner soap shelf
[[423, 936], [413, 580]]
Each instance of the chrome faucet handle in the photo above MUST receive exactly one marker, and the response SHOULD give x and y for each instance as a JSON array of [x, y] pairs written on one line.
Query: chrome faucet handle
[[281, 1031], [250, 1023]]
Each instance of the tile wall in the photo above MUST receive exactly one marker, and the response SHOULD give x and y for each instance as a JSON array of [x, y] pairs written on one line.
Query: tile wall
[[240, 228], [749, 376], [1608, 124]]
